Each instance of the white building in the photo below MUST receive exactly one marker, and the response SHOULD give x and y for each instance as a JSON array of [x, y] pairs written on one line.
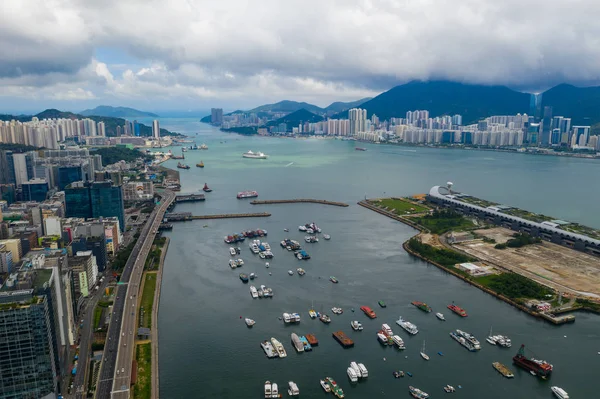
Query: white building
[[358, 120], [52, 226], [155, 129]]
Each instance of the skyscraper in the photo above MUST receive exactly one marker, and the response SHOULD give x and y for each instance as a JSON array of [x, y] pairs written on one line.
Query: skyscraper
[[20, 163], [35, 190], [546, 127], [358, 120], [155, 130], [95, 200], [216, 116]]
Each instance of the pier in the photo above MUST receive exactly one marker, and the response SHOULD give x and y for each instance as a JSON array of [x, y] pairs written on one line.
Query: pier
[[189, 198], [182, 217], [299, 200]]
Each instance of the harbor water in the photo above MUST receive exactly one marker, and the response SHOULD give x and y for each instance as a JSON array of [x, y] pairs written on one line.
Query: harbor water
[[206, 350]]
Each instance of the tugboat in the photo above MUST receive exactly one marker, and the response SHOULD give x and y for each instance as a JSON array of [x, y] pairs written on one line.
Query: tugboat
[[382, 304], [206, 189], [200, 165], [182, 166]]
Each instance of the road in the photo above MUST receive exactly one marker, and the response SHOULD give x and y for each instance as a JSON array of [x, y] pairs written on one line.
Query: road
[[115, 374], [80, 380]]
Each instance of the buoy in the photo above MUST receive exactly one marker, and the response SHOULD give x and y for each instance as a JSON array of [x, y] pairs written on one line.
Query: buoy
[[384, 359], [240, 317]]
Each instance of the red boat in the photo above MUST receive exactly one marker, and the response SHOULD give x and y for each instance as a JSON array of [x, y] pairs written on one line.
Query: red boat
[[458, 310], [206, 188], [538, 367], [368, 311]]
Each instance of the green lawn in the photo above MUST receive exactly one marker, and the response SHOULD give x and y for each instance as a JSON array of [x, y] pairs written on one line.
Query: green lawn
[[143, 386], [442, 222], [401, 207], [148, 298], [514, 286], [97, 317]]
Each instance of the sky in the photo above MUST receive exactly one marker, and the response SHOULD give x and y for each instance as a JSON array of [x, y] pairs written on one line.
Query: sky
[[237, 54]]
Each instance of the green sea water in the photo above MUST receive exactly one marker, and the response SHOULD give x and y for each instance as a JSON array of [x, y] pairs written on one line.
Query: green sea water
[[207, 351]]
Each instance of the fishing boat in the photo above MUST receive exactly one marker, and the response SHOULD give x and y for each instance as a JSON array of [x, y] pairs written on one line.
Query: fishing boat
[[206, 188], [440, 316], [249, 322], [333, 279], [356, 326], [417, 393], [382, 304], [182, 166], [423, 354], [244, 277], [200, 164]]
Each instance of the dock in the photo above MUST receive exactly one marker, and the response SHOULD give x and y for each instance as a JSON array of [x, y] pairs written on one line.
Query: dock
[[185, 216], [299, 200], [343, 339], [189, 198]]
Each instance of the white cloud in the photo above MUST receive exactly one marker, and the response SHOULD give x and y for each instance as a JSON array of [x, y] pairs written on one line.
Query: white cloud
[[321, 51]]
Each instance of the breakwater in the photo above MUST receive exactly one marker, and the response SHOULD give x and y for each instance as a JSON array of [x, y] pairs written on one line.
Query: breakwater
[[186, 217], [299, 200], [549, 317]]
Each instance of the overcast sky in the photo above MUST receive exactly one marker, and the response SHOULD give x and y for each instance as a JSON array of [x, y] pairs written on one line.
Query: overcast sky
[[191, 54]]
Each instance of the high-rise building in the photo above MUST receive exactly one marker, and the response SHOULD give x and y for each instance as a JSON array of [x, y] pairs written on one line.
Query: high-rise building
[[580, 136], [69, 174], [95, 200], [216, 116], [358, 120], [7, 168], [21, 174], [155, 130], [136, 129], [546, 127], [78, 202], [27, 356], [101, 129], [35, 190]]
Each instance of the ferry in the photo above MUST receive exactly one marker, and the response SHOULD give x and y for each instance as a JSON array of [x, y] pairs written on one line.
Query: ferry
[[356, 326], [458, 310], [398, 341], [249, 322], [502, 369], [417, 393], [253, 292], [440, 316], [325, 386], [559, 392], [422, 305], [247, 194], [469, 338], [307, 345], [278, 347], [200, 164], [297, 343], [254, 155], [408, 326], [387, 330], [352, 374], [182, 166], [368, 311], [293, 389], [461, 340], [206, 189], [269, 350], [363, 370]]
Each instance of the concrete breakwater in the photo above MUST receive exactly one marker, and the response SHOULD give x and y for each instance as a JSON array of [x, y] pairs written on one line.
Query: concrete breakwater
[[185, 217], [298, 200]]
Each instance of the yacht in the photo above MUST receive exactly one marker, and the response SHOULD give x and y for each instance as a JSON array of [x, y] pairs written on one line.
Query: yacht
[[352, 374], [300, 271], [249, 322], [449, 388], [398, 341], [267, 389], [423, 354], [326, 236], [325, 386], [253, 292], [302, 228], [274, 390], [254, 155], [408, 326], [387, 330], [356, 369], [417, 393], [440, 316], [312, 313], [490, 338], [559, 392], [232, 251], [363, 370], [278, 347], [356, 326], [470, 338], [269, 350], [293, 389], [291, 273]]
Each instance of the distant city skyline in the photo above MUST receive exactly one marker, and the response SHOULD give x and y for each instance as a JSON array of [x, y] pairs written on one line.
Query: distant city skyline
[[191, 54]]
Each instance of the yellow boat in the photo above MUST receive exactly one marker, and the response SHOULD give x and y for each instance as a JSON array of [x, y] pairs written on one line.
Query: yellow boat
[[200, 165]]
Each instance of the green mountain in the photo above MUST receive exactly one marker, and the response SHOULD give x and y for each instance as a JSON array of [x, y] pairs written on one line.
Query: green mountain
[[116, 112], [473, 102], [109, 122], [288, 106], [581, 104], [296, 118], [339, 106]]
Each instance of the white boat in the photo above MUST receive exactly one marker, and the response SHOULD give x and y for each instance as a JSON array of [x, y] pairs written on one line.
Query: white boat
[[449, 388], [254, 248], [440, 316], [267, 246], [470, 338], [325, 386], [490, 338], [249, 322], [408, 326], [267, 265], [398, 341], [503, 341], [296, 317], [387, 330], [293, 389], [232, 263], [300, 271], [269, 350], [204, 147], [336, 310], [267, 389], [239, 262], [291, 273], [382, 338], [352, 374], [297, 342], [302, 228], [363, 370], [278, 347], [253, 292], [356, 326], [274, 390], [559, 392], [252, 276], [326, 236], [287, 318], [310, 231], [423, 354], [254, 155], [232, 251], [354, 367]]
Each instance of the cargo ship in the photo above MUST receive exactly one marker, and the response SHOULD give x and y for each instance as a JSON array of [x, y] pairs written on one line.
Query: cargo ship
[[538, 367], [368, 311], [312, 339], [247, 194], [502, 369], [458, 310], [422, 305], [343, 339]]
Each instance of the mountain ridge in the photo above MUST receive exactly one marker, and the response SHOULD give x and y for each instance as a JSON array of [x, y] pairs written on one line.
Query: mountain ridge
[[116, 112]]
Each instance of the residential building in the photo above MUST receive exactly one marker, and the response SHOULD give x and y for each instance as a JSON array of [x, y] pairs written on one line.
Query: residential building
[[358, 120], [14, 246], [216, 116]]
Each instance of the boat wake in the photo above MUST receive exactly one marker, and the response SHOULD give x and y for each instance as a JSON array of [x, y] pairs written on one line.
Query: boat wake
[[289, 164]]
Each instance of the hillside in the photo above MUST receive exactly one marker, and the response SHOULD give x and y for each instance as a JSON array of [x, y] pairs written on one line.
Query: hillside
[[116, 112], [288, 106], [473, 102], [296, 118], [109, 122], [581, 104], [339, 106]]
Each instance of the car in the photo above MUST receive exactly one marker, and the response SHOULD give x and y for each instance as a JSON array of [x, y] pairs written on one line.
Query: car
[[125, 344], [122, 369], [123, 334], [117, 371], [129, 332]]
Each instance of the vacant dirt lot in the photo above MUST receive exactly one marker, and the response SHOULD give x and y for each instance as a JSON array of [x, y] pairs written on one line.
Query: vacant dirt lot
[[547, 263]]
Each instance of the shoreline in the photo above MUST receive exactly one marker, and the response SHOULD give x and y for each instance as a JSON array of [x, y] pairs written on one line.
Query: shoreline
[[467, 280], [154, 327]]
